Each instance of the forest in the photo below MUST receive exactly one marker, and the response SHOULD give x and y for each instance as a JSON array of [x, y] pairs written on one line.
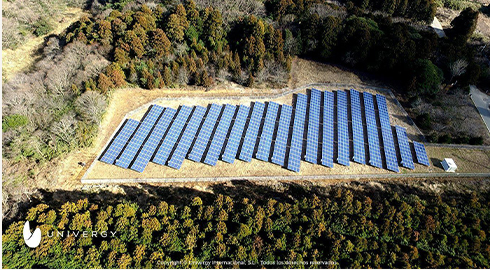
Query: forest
[[353, 226]]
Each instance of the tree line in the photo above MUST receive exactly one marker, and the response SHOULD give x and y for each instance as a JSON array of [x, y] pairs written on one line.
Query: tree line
[[368, 229]]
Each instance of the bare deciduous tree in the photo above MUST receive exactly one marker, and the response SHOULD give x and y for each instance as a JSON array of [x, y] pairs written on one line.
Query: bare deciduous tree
[[90, 106], [458, 68]]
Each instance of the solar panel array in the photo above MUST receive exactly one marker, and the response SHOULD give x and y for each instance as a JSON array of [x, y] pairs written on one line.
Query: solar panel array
[[342, 129], [327, 139], [236, 135], [294, 159], [372, 131], [250, 139], [387, 134], [119, 141], [172, 136], [421, 154], [357, 127], [265, 141], [187, 138], [139, 136], [313, 126], [167, 136], [279, 152], [153, 141], [404, 146], [205, 133], [220, 135]]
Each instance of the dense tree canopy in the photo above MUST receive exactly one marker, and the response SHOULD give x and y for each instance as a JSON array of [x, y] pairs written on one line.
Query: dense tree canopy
[[351, 228]]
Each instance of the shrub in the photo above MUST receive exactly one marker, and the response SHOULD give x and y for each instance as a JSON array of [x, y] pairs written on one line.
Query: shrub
[[424, 121], [42, 27], [428, 76], [14, 121], [476, 140]]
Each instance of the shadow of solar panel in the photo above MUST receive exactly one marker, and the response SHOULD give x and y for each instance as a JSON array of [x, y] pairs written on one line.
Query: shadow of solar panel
[[296, 147], [236, 134], [151, 144], [267, 133], [343, 129], [187, 138], [205, 133], [119, 141], [421, 154], [139, 137], [372, 130], [280, 143], [405, 151], [312, 139], [219, 137], [172, 136], [387, 134], [251, 133], [357, 128], [327, 129]]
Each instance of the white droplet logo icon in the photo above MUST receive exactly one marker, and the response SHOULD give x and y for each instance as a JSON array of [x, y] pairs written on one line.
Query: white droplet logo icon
[[32, 239]]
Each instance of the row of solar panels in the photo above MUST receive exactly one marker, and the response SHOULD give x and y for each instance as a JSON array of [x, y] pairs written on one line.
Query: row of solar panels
[[166, 136]]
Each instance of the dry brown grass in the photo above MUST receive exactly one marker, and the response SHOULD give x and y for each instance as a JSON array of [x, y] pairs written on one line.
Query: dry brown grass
[[23, 57]]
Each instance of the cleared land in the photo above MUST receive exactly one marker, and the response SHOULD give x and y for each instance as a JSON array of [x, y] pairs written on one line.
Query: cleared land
[[191, 169]]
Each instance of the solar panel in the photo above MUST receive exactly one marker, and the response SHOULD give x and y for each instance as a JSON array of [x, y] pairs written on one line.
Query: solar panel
[[119, 141], [279, 153], [387, 134], [250, 139], [342, 129], [172, 136], [357, 128], [405, 152], [421, 154], [327, 129], [152, 142], [139, 136], [187, 138], [236, 134], [312, 139], [205, 133], [372, 131], [296, 148], [219, 137], [265, 141]]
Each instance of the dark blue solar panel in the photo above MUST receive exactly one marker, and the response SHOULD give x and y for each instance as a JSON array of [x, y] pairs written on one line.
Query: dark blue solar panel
[[296, 148], [387, 133], [265, 141], [421, 154], [251, 133], [405, 152], [235, 135], [172, 136], [151, 144], [312, 139], [280, 143], [119, 141], [342, 129], [327, 140], [187, 138], [205, 133], [139, 136], [219, 137], [357, 128], [372, 131]]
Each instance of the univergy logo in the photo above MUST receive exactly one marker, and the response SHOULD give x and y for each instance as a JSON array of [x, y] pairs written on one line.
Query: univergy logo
[[32, 240]]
